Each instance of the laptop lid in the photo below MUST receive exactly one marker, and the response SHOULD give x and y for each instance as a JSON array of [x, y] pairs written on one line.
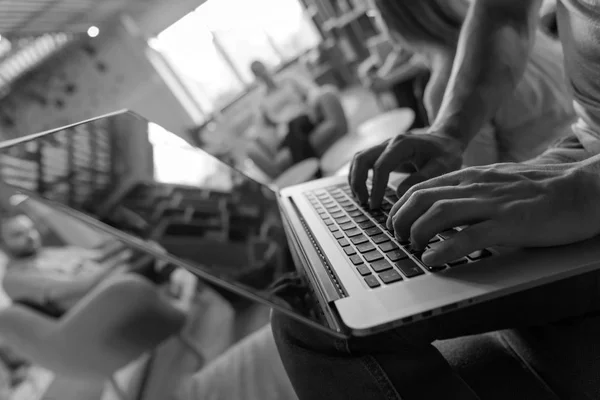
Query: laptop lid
[[148, 185]]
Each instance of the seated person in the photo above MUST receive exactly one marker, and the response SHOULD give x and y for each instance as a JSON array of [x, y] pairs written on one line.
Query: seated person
[[52, 279], [284, 108], [294, 121], [526, 123], [328, 124], [548, 201]]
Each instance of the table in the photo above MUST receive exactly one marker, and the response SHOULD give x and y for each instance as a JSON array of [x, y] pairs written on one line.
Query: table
[[372, 132], [388, 124], [299, 173]]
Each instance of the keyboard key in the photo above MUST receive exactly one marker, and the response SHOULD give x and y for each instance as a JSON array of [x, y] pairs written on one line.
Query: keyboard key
[[349, 251], [365, 247], [334, 210], [396, 255], [386, 206], [434, 239], [381, 265], [380, 239], [373, 256], [343, 242], [355, 213], [409, 268], [328, 221], [333, 228], [366, 224], [389, 191], [363, 270], [376, 213], [460, 261], [347, 226], [388, 246], [374, 231], [382, 219], [350, 208], [338, 235], [448, 234], [404, 242], [372, 281], [435, 268], [332, 207], [390, 276], [356, 260], [392, 198], [359, 239], [353, 232], [361, 218], [323, 215], [338, 214], [479, 254], [343, 220]]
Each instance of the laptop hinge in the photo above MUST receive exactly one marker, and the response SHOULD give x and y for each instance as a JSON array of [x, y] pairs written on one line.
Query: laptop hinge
[[312, 254]]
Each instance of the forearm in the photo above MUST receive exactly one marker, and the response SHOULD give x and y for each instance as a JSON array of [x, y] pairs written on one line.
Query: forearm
[[403, 72], [491, 58]]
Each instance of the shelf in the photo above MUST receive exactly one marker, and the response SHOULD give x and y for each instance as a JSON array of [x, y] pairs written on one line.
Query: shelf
[[345, 19]]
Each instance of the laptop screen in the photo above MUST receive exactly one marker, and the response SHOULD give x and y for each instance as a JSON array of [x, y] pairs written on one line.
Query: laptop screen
[[153, 187]]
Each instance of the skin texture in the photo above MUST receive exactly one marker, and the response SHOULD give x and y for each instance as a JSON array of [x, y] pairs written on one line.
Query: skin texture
[[490, 60], [503, 204]]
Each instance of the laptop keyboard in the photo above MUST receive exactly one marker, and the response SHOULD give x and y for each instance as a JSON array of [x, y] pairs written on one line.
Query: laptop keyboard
[[362, 234]]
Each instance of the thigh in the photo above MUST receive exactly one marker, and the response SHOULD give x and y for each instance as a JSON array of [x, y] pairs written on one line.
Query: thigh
[[572, 297]]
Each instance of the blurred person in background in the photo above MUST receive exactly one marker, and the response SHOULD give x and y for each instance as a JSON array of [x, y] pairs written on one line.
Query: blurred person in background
[[284, 117]]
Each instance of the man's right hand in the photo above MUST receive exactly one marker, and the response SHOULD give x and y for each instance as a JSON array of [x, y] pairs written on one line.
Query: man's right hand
[[423, 155]]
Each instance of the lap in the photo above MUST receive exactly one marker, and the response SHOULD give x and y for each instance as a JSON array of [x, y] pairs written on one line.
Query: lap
[[572, 297]]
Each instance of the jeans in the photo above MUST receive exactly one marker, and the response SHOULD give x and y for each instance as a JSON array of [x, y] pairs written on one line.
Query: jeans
[[402, 363], [297, 139]]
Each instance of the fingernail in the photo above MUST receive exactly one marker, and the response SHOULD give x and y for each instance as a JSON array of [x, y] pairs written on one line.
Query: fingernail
[[429, 257]]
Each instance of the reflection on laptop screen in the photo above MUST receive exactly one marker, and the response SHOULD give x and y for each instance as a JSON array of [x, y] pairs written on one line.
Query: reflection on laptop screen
[[143, 180]]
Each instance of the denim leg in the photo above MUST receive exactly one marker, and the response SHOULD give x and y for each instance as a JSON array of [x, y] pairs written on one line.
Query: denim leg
[[402, 363]]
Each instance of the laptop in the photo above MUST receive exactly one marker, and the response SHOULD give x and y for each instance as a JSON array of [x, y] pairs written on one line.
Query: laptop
[[309, 251]]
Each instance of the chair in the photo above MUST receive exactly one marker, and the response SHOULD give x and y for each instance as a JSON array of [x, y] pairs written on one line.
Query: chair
[[111, 327]]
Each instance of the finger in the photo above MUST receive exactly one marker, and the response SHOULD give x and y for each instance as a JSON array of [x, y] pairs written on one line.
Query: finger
[[420, 203], [447, 182], [448, 214], [398, 152], [476, 237], [450, 180], [430, 170], [361, 165]]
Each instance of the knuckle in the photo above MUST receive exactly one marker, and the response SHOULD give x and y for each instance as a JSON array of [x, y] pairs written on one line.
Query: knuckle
[[442, 207]]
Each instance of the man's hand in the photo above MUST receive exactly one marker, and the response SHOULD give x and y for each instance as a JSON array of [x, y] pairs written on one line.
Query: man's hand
[[425, 155], [512, 205]]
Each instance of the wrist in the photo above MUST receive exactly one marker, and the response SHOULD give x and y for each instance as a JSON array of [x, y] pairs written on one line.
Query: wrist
[[449, 141]]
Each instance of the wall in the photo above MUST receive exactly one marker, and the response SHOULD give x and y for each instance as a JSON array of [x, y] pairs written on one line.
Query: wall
[[107, 73]]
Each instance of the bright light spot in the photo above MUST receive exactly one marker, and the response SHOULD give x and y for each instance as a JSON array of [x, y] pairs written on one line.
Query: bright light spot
[[93, 31], [1, 37]]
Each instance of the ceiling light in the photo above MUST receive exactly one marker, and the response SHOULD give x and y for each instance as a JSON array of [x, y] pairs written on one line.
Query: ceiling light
[[93, 31]]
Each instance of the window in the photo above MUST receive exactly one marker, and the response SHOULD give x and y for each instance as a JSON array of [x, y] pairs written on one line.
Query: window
[[188, 46], [213, 46], [177, 162]]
